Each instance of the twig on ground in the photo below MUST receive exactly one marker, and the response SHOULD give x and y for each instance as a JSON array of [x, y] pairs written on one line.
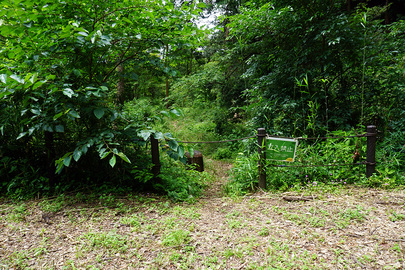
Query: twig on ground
[[301, 198]]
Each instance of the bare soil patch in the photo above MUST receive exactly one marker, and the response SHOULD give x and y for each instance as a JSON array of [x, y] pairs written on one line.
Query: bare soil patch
[[350, 228]]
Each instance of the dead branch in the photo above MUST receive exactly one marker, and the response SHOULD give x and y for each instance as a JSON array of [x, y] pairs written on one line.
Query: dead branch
[[301, 198]]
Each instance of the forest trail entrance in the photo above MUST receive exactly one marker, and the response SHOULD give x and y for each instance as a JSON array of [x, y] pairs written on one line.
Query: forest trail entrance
[[219, 170]]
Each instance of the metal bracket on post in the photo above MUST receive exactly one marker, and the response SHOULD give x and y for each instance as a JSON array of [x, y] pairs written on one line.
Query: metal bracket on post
[[371, 145], [261, 140]]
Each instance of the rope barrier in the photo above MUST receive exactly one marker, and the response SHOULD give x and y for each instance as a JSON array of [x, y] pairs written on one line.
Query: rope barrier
[[298, 138], [234, 140], [336, 137], [319, 165]]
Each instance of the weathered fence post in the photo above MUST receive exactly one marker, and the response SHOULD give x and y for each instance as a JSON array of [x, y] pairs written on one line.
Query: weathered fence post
[[261, 140], [196, 160], [371, 145], [154, 144]]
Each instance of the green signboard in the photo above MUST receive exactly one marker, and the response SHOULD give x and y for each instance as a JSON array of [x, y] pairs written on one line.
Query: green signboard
[[281, 148]]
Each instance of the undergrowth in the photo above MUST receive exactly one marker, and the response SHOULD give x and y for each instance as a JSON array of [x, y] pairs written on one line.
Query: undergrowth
[[322, 164]]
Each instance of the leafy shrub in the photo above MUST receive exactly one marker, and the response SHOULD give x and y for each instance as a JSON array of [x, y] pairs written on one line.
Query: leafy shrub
[[244, 176], [308, 171], [222, 153], [179, 183]]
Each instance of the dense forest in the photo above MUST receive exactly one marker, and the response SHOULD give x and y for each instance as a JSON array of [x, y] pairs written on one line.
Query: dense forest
[[85, 85]]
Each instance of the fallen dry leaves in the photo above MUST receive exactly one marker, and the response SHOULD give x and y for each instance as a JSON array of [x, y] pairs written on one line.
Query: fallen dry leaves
[[353, 228]]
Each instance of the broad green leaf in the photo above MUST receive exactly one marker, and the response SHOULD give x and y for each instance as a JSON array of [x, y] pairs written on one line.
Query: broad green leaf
[[84, 149], [67, 160], [77, 154], [74, 114], [34, 78], [101, 151], [5, 93], [36, 111], [31, 130], [59, 165], [144, 134], [173, 145], [68, 92], [175, 113], [2, 130], [112, 161], [104, 154], [59, 128], [201, 5], [17, 78], [181, 151], [124, 157], [27, 77], [173, 155], [158, 136], [3, 78], [37, 84], [168, 136], [165, 113], [50, 77], [125, 19], [99, 112]]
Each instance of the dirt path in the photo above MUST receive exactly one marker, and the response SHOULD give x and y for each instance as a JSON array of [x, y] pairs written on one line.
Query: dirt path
[[220, 170], [349, 228]]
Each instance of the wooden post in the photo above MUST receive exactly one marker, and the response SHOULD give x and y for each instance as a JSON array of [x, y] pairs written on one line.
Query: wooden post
[[197, 160], [261, 140], [51, 156], [371, 145], [155, 156]]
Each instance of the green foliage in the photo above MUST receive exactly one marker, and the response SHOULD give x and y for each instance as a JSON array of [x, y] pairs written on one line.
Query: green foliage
[[296, 68], [55, 205], [111, 241], [176, 238], [396, 216], [305, 173], [179, 183], [59, 67], [244, 176], [199, 88], [223, 153]]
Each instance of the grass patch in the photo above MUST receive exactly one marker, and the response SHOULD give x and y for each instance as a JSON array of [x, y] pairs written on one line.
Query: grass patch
[[111, 241], [176, 238]]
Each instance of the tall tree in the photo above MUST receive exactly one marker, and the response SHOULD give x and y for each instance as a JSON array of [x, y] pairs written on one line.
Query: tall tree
[[62, 66], [304, 67]]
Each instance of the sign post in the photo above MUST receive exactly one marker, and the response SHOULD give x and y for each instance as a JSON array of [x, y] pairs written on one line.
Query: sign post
[[282, 149], [261, 140]]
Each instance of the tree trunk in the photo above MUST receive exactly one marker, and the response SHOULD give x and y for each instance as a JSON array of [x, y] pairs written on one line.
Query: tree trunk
[[120, 85], [167, 87], [387, 16]]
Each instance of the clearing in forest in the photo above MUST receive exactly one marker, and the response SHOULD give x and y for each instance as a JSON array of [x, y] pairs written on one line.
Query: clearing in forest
[[351, 228]]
